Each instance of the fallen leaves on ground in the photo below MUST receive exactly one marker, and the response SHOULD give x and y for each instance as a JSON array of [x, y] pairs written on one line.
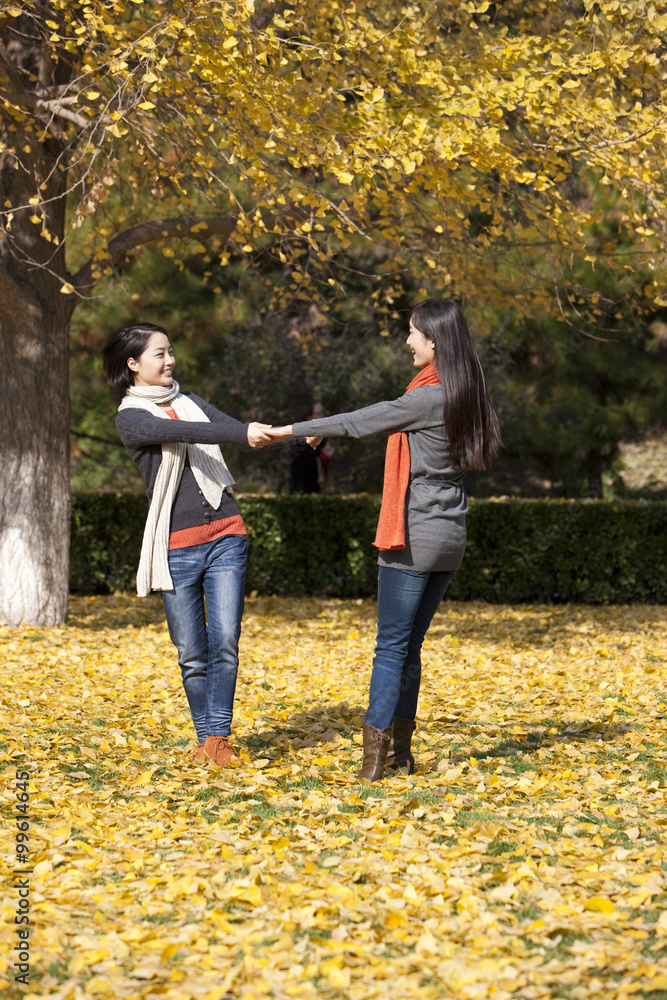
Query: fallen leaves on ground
[[524, 859]]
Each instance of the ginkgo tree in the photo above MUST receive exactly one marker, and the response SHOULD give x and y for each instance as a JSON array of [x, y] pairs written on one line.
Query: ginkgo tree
[[466, 139]]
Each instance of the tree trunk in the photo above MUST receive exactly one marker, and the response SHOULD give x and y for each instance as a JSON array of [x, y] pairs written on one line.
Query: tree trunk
[[595, 490], [34, 481], [35, 154], [595, 466], [34, 338]]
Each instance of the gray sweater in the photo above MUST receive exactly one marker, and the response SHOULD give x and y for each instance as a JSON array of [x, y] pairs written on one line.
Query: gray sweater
[[436, 503], [143, 435]]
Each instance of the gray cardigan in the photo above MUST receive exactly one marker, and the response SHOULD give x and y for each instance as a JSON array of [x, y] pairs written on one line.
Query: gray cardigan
[[436, 503], [143, 436]]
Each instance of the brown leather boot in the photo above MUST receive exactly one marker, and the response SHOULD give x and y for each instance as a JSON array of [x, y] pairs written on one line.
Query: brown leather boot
[[221, 752], [399, 753], [376, 744]]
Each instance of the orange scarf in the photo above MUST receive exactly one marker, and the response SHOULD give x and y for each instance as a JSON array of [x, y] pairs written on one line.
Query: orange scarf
[[391, 524]]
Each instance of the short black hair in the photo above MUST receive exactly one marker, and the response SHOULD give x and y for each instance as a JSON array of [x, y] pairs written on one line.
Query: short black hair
[[130, 342]]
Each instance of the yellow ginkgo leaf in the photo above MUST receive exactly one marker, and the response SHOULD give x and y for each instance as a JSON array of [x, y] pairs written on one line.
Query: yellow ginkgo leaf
[[599, 904]]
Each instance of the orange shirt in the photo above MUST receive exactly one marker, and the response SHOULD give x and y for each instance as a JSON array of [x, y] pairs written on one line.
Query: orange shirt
[[199, 534]]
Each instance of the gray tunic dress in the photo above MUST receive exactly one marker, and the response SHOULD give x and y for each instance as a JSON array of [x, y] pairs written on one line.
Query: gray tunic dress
[[436, 503]]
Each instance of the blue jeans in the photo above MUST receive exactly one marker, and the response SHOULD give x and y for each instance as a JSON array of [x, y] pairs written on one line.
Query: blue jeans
[[208, 654], [407, 601]]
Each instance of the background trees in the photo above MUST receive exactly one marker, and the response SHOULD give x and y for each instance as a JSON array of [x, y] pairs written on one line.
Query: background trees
[[569, 391], [577, 394], [463, 143]]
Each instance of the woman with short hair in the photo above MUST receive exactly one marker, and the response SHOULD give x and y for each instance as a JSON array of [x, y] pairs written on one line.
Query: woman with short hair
[[194, 544]]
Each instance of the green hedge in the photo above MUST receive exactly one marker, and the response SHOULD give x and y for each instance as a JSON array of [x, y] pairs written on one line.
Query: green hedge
[[518, 550]]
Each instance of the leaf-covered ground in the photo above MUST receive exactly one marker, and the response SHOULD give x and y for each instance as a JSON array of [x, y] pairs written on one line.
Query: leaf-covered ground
[[526, 858]]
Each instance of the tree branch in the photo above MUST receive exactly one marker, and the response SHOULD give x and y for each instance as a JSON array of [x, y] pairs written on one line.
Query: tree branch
[[92, 437], [188, 226], [53, 107]]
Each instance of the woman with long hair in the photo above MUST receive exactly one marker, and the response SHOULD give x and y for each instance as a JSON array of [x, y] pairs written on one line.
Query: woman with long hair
[[194, 545], [443, 426]]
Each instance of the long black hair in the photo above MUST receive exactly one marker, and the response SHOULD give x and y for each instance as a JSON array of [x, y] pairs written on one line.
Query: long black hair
[[468, 415], [130, 342]]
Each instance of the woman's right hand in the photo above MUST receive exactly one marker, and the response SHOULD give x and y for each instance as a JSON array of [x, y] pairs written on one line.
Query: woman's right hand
[[259, 434]]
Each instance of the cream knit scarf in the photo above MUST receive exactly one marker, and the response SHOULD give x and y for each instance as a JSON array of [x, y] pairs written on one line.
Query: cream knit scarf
[[209, 470]]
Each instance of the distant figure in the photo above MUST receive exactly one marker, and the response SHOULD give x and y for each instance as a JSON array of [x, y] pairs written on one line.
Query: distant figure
[[327, 452], [307, 472]]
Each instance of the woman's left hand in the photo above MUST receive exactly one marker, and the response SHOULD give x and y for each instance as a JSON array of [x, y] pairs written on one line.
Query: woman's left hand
[[280, 433]]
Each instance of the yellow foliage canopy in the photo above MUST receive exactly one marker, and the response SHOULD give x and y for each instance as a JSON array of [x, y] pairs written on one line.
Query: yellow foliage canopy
[[481, 147]]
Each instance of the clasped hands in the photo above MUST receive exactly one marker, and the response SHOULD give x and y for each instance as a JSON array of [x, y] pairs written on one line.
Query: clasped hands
[[259, 435]]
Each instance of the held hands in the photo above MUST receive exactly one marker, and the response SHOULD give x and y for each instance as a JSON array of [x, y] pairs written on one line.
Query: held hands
[[280, 433], [259, 434]]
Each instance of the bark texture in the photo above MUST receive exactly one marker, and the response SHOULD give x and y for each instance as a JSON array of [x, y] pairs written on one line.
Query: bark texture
[[34, 481], [34, 353]]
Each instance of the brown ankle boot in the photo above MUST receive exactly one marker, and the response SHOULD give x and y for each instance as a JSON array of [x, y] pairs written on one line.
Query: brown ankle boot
[[399, 753], [376, 744], [221, 752]]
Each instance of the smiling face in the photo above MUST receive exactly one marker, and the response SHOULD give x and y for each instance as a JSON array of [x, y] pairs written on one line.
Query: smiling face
[[155, 364], [423, 348]]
